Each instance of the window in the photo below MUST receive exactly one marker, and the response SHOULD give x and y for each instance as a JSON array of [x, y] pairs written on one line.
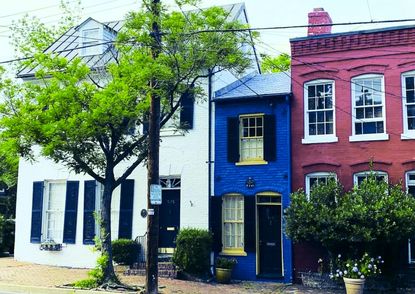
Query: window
[[410, 182], [54, 204], [319, 114], [252, 138], [233, 223], [358, 178], [368, 102], [90, 39], [408, 101], [317, 178]]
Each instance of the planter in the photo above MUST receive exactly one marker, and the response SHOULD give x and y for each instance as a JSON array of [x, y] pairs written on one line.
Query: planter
[[354, 286], [223, 275]]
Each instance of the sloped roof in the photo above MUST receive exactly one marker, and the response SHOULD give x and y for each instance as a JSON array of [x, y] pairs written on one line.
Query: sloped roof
[[68, 44], [256, 85]]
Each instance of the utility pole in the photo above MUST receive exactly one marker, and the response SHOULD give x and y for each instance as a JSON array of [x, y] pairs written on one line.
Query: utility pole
[[153, 162]]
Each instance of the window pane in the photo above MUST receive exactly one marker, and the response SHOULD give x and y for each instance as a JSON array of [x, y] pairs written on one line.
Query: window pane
[[320, 116], [311, 91], [329, 116], [259, 121], [312, 129], [378, 111], [411, 110], [411, 123], [358, 128], [312, 117], [369, 128], [379, 127], [359, 113], [329, 102], [329, 128], [410, 96], [369, 112], [320, 129], [311, 103], [409, 82]]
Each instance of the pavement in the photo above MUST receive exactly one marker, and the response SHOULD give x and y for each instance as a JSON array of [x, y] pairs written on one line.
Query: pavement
[[22, 277]]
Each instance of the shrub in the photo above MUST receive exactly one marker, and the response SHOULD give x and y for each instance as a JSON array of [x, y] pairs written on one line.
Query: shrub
[[192, 254], [125, 251], [226, 263]]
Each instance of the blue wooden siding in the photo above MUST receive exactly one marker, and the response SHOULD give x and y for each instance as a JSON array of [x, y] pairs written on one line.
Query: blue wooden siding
[[272, 177]]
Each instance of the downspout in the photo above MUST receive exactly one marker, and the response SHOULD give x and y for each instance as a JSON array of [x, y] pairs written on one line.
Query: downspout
[[212, 257], [288, 100]]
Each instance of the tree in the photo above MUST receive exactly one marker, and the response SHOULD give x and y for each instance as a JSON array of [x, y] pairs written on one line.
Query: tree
[[87, 125], [370, 217], [278, 63]]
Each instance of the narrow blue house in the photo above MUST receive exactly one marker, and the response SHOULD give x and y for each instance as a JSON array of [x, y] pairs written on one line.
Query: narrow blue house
[[252, 176]]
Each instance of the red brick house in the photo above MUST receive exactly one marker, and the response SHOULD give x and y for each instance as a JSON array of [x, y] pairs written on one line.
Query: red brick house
[[353, 103]]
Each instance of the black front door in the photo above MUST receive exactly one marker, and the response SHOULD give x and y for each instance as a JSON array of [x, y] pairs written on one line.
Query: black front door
[[269, 239], [169, 218]]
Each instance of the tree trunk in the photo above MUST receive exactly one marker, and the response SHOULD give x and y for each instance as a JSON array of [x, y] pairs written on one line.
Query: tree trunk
[[108, 270], [153, 164]]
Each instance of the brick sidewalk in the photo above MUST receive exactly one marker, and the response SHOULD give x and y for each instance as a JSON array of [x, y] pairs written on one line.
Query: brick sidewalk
[[32, 275]]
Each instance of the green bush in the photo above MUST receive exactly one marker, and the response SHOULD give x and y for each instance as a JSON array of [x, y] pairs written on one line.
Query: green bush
[[125, 251], [226, 263], [192, 254]]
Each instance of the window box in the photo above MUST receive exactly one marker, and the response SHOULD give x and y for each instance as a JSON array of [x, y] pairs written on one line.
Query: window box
[[50, 246]]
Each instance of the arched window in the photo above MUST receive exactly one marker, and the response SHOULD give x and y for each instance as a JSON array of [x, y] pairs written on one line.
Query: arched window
[[359, 177], [312, 179]]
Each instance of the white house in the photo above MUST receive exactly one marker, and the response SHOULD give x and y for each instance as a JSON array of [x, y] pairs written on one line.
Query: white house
[[54, 203]]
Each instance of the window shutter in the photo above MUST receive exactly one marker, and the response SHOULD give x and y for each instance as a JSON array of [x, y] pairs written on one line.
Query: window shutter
[[249, 224], [270, 148], [37, 206], [126, 210], [233, 139], [89, 209], [215, 217], [186, 111], [71, 212]]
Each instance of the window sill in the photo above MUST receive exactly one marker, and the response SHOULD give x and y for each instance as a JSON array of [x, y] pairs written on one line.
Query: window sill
[[233, 253], [319, 140], [252, 162], [172, 132], [408, 136], [369, 137]]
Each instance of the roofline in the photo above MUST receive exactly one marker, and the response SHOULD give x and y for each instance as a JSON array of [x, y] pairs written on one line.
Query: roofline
[[371, 31], [260, 96]]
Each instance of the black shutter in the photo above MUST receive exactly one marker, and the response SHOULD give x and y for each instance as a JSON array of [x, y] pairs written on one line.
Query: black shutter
[[126, 210], [89, 209], [215, 218], [249, 224], [270, 148], [37, 205], [186, 111], [233, 139], [71, 212]]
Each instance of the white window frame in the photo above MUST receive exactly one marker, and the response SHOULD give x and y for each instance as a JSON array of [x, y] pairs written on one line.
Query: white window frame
[[86, 41], [367, 173], [45, 214], [407, 134], [311, 139], [317, 175], [368, 137], [258, 138], [233, 250]]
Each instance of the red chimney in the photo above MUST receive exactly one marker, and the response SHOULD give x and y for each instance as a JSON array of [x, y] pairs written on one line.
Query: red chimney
[[319, 17]]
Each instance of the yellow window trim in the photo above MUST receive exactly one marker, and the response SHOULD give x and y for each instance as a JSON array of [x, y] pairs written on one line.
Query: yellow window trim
[[251, 114], [272, 194], [233, 252], [251, 162]]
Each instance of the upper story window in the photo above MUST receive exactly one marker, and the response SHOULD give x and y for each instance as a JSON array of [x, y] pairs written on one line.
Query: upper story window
[[358, 178], [319, 114], [233, 223], [408, 105], [90, 41], [251, 139], [368, 105], [317, 178]]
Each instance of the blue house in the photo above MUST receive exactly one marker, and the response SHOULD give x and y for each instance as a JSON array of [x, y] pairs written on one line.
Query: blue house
[[252, 176]]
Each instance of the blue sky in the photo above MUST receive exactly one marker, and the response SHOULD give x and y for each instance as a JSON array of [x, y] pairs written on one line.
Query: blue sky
[[261, 13]]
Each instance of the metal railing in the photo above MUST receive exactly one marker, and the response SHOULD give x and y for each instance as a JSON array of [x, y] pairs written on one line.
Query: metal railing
[[142, 240]]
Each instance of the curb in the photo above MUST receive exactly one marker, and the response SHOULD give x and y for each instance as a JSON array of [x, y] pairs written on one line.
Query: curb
[[48, 290]]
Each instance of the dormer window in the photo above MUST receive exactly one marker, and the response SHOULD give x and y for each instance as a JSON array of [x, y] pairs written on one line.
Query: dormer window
[[90, 42]]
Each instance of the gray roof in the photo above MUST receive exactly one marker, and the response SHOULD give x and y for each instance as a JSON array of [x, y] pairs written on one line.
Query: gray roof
[[67, 44], [256, 85]]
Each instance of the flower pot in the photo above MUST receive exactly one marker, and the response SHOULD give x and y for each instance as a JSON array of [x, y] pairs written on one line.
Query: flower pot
[[223, 275], [354, 286]]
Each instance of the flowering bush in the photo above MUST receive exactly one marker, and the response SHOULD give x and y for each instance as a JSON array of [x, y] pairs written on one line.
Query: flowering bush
[[357, 268]]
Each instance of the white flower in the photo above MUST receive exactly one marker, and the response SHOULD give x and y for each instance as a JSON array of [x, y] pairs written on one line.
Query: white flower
[[340, 274], [359, 273], [347, 265], [379, 257], [382, 261], [362, 276], [372, 259], [355, 264], [345, 272], [355, 269], [339, 256], [331, 276], [337, 275], [369, 266], [320, 260]]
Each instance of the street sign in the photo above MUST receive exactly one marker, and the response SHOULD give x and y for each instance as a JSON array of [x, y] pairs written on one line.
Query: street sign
[[155, 194]]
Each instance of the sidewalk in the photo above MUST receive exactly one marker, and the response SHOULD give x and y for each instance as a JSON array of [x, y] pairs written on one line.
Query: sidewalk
[[21, 277]]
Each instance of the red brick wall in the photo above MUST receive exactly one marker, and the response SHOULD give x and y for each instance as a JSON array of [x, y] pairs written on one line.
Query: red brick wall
[[341, 58]]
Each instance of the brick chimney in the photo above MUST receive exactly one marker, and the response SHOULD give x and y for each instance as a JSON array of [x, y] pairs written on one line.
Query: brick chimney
[[318, 17]]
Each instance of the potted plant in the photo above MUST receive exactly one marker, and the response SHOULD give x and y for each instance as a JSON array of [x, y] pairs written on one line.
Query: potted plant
[[224, 267], [355, 271]]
